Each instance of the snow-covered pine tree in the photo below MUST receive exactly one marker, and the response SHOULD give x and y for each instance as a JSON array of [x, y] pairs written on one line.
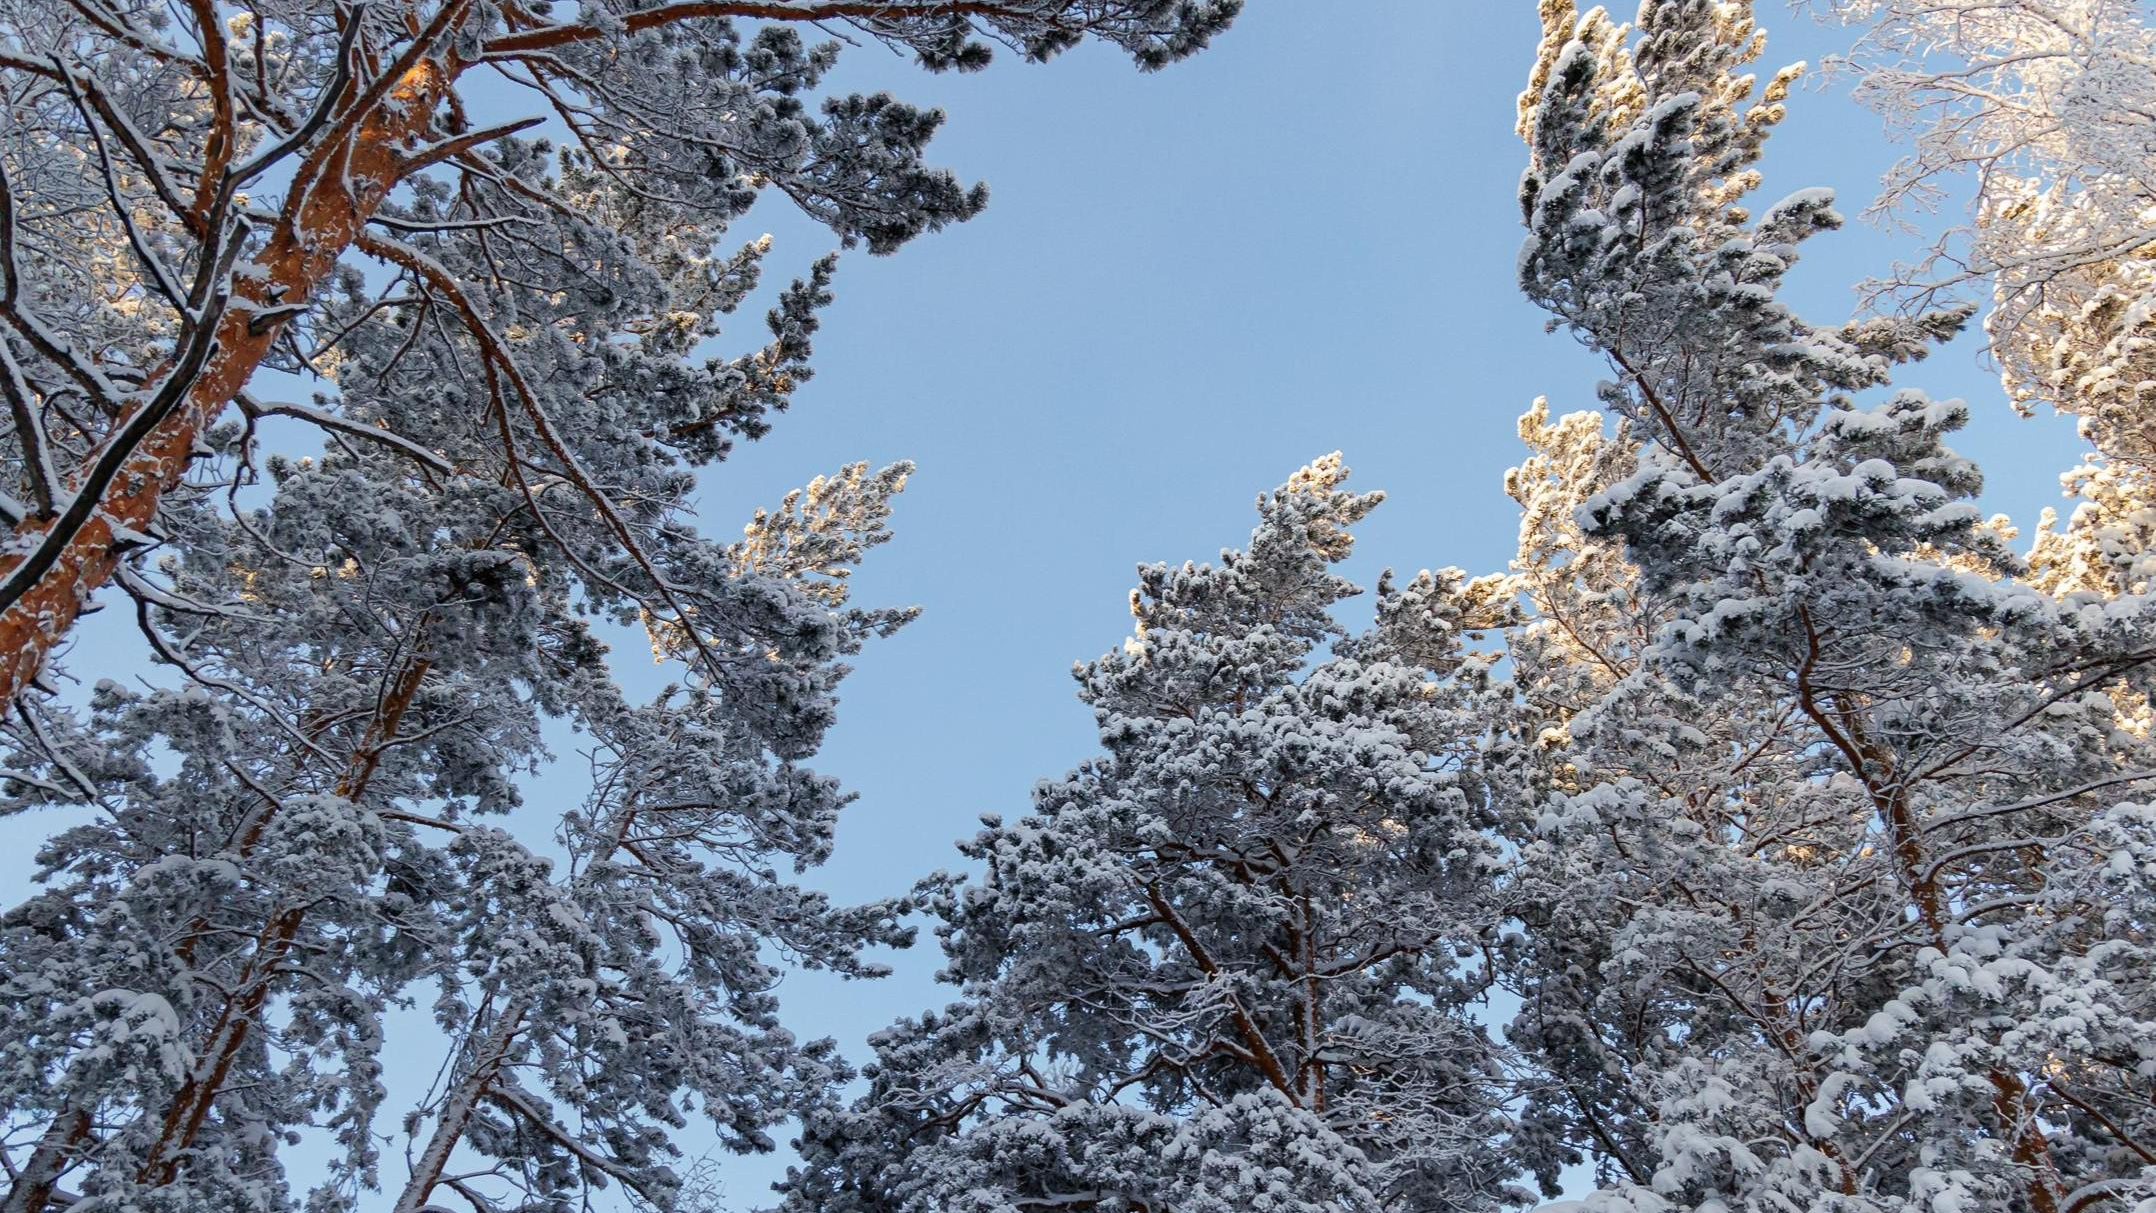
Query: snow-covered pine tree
[[1232, 963], [1582, 630], [191, 195], [2047, 109], [301, 837], [372, 650], [1834, 909], [640, 980], [502, 336]]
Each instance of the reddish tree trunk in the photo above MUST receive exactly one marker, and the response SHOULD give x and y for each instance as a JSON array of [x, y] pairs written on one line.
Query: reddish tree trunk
[[319, 223]]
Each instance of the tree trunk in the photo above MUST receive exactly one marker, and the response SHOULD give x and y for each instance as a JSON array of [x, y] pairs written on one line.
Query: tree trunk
[[35, 1182], [457, 1107], [352, 174]]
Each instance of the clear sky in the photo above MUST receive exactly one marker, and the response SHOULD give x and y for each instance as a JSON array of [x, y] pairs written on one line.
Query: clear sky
[[1186, 285]]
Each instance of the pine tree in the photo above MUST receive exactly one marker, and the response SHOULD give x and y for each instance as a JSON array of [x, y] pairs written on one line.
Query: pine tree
[[1835, 910], [1234, 962], [2048, 109], [209, 962], [221, 181], [510, 343]]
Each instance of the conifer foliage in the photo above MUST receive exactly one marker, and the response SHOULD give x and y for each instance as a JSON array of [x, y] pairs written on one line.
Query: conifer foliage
[[1231, 963], [1817, 920], [1771, 837], [2047, 110], [188, 198], [514, 354]]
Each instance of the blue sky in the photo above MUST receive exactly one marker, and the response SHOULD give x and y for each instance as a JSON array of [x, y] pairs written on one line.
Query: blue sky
[[1186, 285]]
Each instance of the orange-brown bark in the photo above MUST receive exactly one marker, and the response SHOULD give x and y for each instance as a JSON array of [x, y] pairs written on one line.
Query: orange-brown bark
[[1874, 768], [350, 178]]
